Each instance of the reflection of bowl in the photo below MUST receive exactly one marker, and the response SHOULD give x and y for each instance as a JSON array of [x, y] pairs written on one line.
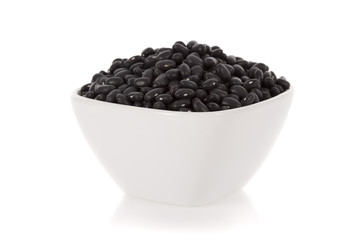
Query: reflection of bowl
[[185, 158]]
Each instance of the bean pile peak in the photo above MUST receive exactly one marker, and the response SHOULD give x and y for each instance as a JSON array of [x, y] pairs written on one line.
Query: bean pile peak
[[192, 77]]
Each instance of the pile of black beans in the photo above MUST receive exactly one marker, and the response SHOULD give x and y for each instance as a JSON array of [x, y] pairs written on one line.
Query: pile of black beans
[[190, 77]]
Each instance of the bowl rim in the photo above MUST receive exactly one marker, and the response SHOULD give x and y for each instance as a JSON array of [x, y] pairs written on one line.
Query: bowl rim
[[288, 93]]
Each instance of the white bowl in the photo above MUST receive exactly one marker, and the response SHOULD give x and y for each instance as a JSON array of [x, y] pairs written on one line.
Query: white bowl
[[185, 158]]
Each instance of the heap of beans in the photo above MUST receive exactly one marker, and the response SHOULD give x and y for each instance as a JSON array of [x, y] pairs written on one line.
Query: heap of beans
[[185, 77]]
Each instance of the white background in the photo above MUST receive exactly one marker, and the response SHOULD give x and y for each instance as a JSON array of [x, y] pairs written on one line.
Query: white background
[[51, 185]]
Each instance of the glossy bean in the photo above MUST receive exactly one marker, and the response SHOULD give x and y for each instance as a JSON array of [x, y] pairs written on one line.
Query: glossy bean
[[152, 94], [188, 84], [213, 106], [184, 93], [239, 90], [199, 106], [103, 89], [209, 84], [111, 97], [231, 102], [165, 98], [223, 72], [165, 65]]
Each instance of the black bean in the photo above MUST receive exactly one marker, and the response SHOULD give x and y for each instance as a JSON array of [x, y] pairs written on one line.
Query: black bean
[[173, 89], [222, 86], [212, 98], [280, 88], [135, 96], [209, 75], [157, 72], [176, 105], [147, 52], [177, 57], [209, 84], [244, 78], [258, 74], [213, 106], [96, 76], [256, 98], [150, 95], [148, 73], [138, 72], [235, 81], [283, 83], [144, 90], [136, 65], [201, 94], [184, 93], [92, 86], [266, 95], [129, 79], [239, 90], [164, 55], [199, 48], [233, 95], [190, 44], [161, 80], [102, 80], [258, 93], [223, 72], [150, 61], [185, 70], [101, 97], [111, 97], [231, 59], [165, 65], [198, 106], [134, 59], [115, 65], [244, 64], [123, 73], [159, 105], [173, 83], [173, 74], [274, 91], [197, 70], [193, 78], [261, 66], [267, 74], [231, 102], [103, 89], [123, 87], [210, 62], [239, 70], [179, 48], [252, 83], [181, 43], [165, 98], [230, 68], [249, 99], [115, 81], [216, 53], [268, 82], [85, 88], [187, 83], [129, 90], [90, 94], [219, 92], [193, 60]]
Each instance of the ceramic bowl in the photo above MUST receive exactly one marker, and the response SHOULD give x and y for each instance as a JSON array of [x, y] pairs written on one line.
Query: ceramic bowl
[[185, 158]]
